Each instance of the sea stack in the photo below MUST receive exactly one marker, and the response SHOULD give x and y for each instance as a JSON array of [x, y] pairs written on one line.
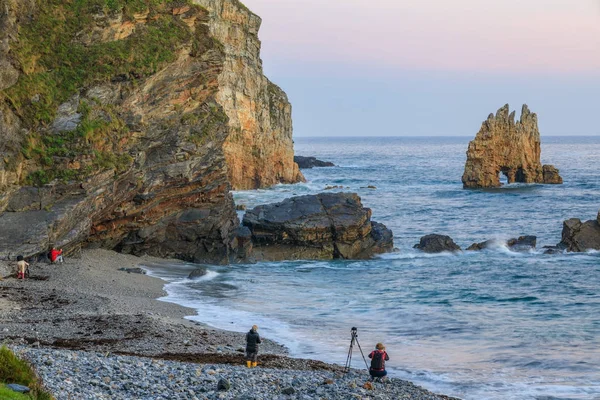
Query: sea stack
[[508, 147]]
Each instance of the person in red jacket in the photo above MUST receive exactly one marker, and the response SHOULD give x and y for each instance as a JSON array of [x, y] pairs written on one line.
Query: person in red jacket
[[56, 255], [378, 358]]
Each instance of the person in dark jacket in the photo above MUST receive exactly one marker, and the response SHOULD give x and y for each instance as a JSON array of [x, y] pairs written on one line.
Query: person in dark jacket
[[252, 341], [378, 358]]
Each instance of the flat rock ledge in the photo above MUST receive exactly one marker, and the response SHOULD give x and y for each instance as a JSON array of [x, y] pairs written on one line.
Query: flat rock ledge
[[324, 226], [311, 162], [508, 147]]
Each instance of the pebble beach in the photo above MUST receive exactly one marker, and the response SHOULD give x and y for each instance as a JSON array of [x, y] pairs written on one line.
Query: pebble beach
[[93, 331]]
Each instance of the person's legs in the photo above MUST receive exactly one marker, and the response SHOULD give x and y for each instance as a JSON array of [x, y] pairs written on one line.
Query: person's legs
[[254, 359], [59, 259]]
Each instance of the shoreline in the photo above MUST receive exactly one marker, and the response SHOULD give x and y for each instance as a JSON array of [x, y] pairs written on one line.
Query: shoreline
[[88, 305]]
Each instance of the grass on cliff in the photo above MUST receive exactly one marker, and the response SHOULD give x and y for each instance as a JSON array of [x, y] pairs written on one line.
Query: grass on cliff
[[57, 62], [15, 370]]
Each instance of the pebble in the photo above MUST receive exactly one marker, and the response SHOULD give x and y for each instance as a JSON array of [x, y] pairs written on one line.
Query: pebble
[[97, 376]]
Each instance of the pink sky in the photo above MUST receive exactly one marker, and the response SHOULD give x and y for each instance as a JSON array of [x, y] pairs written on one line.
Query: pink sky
[[480, 36]]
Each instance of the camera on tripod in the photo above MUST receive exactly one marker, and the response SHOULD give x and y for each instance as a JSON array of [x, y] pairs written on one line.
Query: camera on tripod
[[354, 339]]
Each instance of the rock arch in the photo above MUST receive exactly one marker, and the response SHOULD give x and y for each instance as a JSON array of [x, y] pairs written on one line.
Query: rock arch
[[508, 147]]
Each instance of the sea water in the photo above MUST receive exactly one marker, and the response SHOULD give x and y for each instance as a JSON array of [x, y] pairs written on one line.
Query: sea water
[[493, 324]]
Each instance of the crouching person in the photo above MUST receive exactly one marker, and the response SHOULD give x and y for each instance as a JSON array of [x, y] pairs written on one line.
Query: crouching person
[[252, 341], [378, 358]]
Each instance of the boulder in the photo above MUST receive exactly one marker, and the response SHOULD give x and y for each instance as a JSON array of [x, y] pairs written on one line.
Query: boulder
[[323, 226], [580, 236], [437, 244], [508, 147], [523, 243], [311, 162]]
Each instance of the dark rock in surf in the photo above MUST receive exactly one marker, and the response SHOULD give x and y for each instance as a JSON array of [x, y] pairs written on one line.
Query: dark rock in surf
[[523, 243], [558, 249], [480, 246], [437, 244], [311, 162], [323, 226], [198, 272], [580, 236]]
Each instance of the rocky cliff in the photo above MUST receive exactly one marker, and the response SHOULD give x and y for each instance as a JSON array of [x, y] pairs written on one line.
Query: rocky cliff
[[508, 147], [118, 120], [259, 148]]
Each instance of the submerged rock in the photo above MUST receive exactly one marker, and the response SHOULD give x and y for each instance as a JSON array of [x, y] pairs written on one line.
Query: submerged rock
[[508, 147], [437, 244], [522, 243], [481, 246], [580, 236], [198, 272], [311, 162], [323, 226]]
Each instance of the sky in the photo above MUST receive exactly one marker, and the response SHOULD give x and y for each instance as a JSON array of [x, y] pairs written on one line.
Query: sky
[[432, 67]]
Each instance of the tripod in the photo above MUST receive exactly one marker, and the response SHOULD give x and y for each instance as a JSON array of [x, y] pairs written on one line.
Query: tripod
[[353, 339]]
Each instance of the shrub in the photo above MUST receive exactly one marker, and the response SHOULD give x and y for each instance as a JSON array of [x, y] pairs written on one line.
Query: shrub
[[15, 370]]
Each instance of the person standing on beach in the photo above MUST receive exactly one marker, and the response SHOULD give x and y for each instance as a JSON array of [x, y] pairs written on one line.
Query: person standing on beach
[[378, 358], [22, 266], [252, 341]]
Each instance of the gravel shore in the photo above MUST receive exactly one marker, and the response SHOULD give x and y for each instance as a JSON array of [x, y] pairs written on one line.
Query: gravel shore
[[94, 332]]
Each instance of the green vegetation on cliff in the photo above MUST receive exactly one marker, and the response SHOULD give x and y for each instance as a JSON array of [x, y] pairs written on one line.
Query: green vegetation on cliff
[[57, 61], [69, 45]]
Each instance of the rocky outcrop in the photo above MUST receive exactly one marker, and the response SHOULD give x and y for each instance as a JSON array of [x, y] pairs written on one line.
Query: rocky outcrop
[[259, 149], [580, 236], [508, 147], [323, 226], [127, 129], [437, 244], [311, 162]]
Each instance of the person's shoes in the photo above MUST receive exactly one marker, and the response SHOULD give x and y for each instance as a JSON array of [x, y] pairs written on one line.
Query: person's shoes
[[249, 364], [254, 364]]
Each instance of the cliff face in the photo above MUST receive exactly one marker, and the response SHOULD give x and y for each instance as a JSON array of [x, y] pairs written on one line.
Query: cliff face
[[508, 147], [259, 149], [115, 127]]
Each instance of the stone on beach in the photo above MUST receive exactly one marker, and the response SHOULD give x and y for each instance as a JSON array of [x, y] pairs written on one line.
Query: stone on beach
[[437, 244], [323, 226], [15, 387]]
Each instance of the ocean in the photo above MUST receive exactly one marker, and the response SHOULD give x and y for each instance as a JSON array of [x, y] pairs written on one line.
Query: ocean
[[493, 324]]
